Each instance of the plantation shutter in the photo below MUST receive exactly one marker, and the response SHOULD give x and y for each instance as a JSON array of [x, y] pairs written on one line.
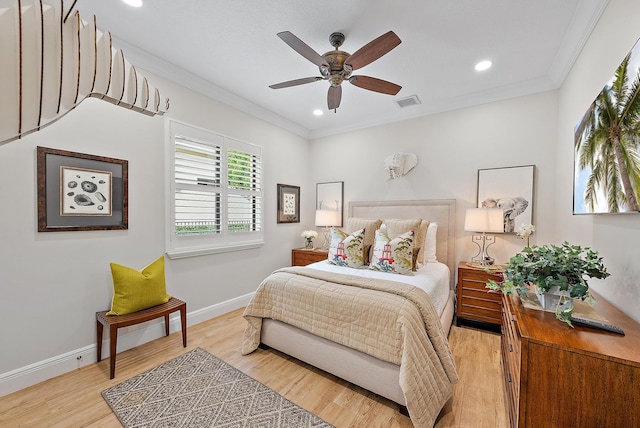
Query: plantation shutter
[[198, 177], [244, 187], [214, 190]]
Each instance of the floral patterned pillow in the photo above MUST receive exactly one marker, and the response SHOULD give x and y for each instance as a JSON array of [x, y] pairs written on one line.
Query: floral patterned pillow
[[393, 255], [345, 249]]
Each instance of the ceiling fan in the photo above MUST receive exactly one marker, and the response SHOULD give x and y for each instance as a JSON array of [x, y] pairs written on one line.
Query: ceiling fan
[[336, 66]]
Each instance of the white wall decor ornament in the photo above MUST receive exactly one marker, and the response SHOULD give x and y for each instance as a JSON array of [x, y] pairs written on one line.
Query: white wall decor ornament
[[51, 60], [399, 164]]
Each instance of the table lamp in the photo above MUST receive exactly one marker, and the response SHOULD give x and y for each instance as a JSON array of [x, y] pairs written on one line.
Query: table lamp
[[326, 219], [485, 220]]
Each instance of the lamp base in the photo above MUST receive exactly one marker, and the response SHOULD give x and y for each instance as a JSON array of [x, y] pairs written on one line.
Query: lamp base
[[483, 242], [326, 235], [486, 262]]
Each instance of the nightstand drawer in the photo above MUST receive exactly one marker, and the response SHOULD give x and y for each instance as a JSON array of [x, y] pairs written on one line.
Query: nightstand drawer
[[483, 294], [475, 302], [478, 279], [480, 310], [303, 256]]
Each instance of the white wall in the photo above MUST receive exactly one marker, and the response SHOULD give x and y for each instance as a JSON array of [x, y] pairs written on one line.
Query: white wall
[[536, 129], [451, 147], [53, 283], [616, 237]]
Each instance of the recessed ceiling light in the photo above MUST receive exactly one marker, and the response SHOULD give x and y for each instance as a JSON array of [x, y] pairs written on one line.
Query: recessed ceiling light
[[483, 65], [134, 3], [318, 112]]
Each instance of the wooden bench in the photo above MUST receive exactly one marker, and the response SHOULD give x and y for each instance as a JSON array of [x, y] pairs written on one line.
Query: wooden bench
[[114, 322]]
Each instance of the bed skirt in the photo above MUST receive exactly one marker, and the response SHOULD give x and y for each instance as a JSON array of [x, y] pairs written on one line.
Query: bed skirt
[[341, 361]]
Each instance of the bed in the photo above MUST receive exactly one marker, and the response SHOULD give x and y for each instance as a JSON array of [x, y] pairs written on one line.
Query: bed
[[304, 312]]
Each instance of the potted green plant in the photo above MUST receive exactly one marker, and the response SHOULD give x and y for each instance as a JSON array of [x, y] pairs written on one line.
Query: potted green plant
[[560, 271]]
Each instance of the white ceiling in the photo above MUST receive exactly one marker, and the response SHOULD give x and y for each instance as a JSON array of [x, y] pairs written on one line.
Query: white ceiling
[[229, 50]]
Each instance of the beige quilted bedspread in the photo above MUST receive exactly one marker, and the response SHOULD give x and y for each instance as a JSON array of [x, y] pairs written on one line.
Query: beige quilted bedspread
[[391, 321]]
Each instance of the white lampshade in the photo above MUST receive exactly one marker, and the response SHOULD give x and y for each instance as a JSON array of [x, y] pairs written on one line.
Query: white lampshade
[[326, 218], [484, 220]]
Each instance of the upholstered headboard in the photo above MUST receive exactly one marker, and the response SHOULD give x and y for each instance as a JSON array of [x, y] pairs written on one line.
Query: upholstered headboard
[[442, 211]]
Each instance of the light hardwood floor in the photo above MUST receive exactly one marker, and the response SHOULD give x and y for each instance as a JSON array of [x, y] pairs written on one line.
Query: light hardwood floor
[[74, 400]]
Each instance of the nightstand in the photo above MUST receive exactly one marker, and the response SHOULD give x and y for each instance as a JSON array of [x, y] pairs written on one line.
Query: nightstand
[[475, 302], [305, 256]]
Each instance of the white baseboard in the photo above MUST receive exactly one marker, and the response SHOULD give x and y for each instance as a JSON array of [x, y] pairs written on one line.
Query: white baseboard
[[128, 337]]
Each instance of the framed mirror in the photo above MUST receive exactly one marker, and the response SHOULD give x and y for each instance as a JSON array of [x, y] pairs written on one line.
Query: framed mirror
[[330, 197]]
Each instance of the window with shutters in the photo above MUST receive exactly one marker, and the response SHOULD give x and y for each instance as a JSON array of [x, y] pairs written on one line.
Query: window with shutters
[[215, 193]]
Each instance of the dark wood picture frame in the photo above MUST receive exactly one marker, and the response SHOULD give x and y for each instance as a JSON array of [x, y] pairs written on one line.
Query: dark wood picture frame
[[108, 211], [288, 204]]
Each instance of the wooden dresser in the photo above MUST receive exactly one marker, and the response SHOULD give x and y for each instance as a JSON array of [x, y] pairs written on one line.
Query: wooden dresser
[[475, 302], [556, 376], [304, 256]]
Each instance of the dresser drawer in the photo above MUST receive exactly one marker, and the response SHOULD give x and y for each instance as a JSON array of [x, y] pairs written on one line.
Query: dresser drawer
[[510, 361]]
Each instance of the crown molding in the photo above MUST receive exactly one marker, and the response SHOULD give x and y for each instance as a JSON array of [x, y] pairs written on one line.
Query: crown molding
[[173, 73], [583, 22]]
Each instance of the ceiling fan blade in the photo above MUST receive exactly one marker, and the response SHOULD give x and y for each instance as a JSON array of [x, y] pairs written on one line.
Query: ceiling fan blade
[[334, 96], [295, 82], [376, 85], [302, 48], [373, 50]]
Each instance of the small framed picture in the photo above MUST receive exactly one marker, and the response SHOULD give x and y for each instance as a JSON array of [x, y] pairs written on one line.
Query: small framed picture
[[78, 191], [288, 204], [510, 189]]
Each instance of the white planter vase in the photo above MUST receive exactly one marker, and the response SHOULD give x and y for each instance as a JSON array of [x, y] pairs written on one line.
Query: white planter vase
[[549, 299]]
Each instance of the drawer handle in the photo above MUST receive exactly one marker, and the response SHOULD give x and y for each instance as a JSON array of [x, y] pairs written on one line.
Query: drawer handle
[[510, 348], [509, 378]]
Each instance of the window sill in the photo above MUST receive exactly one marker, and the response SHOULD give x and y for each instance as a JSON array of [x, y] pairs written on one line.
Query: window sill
[[203, 251]]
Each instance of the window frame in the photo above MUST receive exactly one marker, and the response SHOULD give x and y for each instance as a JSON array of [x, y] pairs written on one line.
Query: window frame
[[196, 245]]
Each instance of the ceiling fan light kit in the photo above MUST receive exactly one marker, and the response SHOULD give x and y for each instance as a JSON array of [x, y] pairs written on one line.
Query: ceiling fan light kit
[[336, 66]]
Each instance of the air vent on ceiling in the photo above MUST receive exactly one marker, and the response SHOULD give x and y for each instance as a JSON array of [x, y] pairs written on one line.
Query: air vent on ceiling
[[409, 101]]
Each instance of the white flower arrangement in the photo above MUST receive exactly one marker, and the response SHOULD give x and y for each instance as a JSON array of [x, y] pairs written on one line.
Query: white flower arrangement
[[524, 231], [309, 234]]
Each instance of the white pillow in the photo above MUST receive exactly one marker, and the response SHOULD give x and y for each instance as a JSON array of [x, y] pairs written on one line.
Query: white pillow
[[430, 243]]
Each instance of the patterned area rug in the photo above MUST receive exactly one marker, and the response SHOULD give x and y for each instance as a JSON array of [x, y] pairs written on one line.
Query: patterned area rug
[[197, 389]]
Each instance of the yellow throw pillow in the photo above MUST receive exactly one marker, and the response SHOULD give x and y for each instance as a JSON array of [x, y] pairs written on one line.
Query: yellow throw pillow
[[135, 290]]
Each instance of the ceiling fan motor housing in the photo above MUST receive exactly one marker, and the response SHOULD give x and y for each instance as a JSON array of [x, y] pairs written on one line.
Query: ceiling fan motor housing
[[337, 70], [337, 67]]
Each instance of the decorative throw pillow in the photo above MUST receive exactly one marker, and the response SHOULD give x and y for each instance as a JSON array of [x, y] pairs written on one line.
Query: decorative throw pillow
[[345, 249], [393, 255], [370, 225], [430, 243], [420, 239], [414, 259], [397, 226], [135, 290]]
